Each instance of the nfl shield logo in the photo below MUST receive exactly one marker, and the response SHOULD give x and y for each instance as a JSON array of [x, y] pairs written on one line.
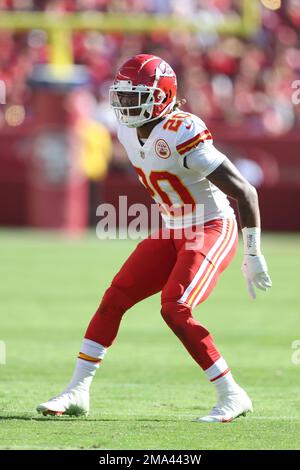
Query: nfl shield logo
[[142, 154]]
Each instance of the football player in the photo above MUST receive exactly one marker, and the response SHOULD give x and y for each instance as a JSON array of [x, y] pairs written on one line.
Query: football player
[[175, 159]]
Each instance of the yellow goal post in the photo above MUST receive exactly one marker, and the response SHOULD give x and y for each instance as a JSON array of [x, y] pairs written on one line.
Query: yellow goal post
[[59, 26]]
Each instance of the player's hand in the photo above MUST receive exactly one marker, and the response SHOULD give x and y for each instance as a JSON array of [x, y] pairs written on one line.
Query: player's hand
[[255, 271]]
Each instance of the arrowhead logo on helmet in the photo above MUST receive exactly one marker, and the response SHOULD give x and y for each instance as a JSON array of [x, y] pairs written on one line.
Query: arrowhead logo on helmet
[[144, 89]]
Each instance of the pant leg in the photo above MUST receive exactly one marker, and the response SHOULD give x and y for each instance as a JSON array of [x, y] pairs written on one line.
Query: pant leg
[[143, 274], [192, 279]]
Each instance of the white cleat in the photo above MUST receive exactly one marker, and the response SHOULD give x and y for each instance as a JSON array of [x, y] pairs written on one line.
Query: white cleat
[[229, 407], [73, 402]]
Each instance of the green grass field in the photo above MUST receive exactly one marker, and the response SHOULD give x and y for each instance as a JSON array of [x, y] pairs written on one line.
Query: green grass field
[[148, 389]]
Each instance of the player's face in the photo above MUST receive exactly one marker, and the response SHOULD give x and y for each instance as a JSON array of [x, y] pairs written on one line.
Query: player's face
[[132, 100]]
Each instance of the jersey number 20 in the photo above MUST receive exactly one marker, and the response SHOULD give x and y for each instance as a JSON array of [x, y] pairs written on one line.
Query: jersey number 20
[[152, 184]]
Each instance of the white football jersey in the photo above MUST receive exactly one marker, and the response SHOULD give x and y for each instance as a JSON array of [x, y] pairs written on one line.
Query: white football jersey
[[173, 165]]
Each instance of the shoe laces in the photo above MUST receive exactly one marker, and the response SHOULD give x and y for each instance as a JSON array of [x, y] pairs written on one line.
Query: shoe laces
[[217, 410], [59, 397], [223, 405]]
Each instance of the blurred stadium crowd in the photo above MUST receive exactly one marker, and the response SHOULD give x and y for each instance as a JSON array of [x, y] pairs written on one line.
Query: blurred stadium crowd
[[242, 82]]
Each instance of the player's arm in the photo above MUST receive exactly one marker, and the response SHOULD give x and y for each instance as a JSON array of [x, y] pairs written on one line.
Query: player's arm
[[227, 178]]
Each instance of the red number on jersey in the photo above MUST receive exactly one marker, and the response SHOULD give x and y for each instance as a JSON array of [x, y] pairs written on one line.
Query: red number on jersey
[[175, 121], [168, 207]]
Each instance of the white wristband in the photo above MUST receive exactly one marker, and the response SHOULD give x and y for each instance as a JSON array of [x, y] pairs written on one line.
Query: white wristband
[[251, 237]]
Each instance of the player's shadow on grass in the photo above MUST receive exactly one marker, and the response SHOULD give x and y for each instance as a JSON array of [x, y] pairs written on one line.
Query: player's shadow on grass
[[41, 418], [80, 419], [99, 420]]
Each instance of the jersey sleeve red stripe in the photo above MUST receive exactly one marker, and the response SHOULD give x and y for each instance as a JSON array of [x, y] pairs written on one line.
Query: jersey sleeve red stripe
[[189, 144]]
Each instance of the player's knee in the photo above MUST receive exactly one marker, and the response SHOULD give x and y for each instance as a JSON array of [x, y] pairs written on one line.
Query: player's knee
[[177, 316], [180, 319], [114, 302]]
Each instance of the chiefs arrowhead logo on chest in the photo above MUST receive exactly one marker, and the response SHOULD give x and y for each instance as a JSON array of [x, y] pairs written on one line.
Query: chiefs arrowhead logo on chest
[[162, 149]]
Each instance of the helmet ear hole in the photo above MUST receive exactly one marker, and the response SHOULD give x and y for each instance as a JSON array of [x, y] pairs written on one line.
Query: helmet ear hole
[[167, 96]]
